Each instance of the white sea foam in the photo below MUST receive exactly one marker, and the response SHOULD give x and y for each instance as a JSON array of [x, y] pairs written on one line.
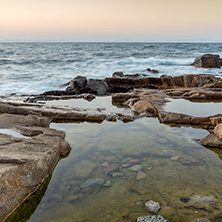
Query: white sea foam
[[37, 67]]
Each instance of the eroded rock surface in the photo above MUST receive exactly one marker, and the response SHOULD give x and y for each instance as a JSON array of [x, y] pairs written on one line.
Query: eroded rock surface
[[208, 61], [26, 162]]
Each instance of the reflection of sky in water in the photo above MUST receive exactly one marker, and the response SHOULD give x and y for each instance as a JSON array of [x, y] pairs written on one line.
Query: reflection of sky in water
[[12, 133], [192, 108], [103, 103]]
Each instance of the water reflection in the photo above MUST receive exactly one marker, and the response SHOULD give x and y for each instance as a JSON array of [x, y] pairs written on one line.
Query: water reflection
[[99, 180]]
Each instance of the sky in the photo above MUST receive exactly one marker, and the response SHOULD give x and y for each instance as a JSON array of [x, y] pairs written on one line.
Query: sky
[[113, 20]]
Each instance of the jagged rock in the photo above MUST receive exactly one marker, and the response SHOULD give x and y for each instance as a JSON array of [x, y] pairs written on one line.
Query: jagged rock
[[118, 74], [207, 61], [152, 206], [218, 130], [155, 218], [122, 97], [26, 163], [152, 70], [97, 86]]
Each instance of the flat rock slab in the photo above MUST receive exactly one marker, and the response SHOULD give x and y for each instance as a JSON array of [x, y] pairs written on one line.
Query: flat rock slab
[[26, 162]]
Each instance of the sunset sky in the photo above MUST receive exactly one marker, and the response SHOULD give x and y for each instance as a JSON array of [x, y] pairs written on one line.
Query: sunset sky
[[116, 20]]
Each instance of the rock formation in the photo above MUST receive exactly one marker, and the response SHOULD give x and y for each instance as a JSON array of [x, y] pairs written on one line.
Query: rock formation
[[26, 162], [208, 61]]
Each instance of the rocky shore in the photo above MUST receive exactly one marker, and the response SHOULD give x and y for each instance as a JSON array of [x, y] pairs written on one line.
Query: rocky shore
[[28, 159]]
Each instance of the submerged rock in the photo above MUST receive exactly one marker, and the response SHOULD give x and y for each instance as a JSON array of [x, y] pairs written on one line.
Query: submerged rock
[[201, 220], [140, 175], [135, 168], [152, 206], [95, 182], [156, 218]]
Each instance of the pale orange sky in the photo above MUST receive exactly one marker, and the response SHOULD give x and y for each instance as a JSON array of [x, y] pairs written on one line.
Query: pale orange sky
[[116, 20]]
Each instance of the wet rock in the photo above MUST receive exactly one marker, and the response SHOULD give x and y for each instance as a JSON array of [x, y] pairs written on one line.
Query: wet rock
[[105, 164], [211, 140], [191, 163], [201, 220], [207, 61], [97, 86], [140, 175], [155, 218], [152, 70], [117, 174], [117, 74], [26, 163], [143, 106], [83, 169], [95, 182], [206, 200], [89, 97], [78, 82], [111, 118], [108, 183], [87, 190], [176, 158], [152, 206], [134, 161], [135, 168], [111, 168], [122, 97], [125, 165]]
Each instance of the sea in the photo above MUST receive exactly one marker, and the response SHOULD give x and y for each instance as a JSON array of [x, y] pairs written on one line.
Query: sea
[[36, 67]]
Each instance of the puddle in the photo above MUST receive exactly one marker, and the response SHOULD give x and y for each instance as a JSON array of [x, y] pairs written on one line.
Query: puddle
[[12, 133], [175, 168], [99, 103], [193, 108]]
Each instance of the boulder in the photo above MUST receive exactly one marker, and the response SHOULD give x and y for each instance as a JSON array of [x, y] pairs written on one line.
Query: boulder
[[25, 163], [78, 82], [97, 86], [207, 61], [211, 140]]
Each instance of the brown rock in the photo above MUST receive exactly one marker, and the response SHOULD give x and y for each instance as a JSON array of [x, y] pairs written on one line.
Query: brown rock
[[134, 161], [140, 175], [143, 106], [117, 174], [121, 97], [218, 130], [111, 168], [211, 140], [207, 61]]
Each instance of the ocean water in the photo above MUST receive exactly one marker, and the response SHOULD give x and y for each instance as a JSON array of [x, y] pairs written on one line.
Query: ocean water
[[31, 68]]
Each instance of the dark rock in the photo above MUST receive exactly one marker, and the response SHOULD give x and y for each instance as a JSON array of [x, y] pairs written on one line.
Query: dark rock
[[207, 61], [89, 97], [78, 82], [184, 199], [97, 86], [152, 70]]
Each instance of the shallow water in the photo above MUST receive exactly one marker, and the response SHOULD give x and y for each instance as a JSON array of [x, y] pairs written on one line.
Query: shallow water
[[166, 181], [200, 109]]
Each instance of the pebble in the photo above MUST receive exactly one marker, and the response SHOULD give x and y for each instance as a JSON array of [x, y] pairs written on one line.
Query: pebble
[[117, 174], [152, 206], [134, 161], [140, 175], [135, 168], [156, 218]]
